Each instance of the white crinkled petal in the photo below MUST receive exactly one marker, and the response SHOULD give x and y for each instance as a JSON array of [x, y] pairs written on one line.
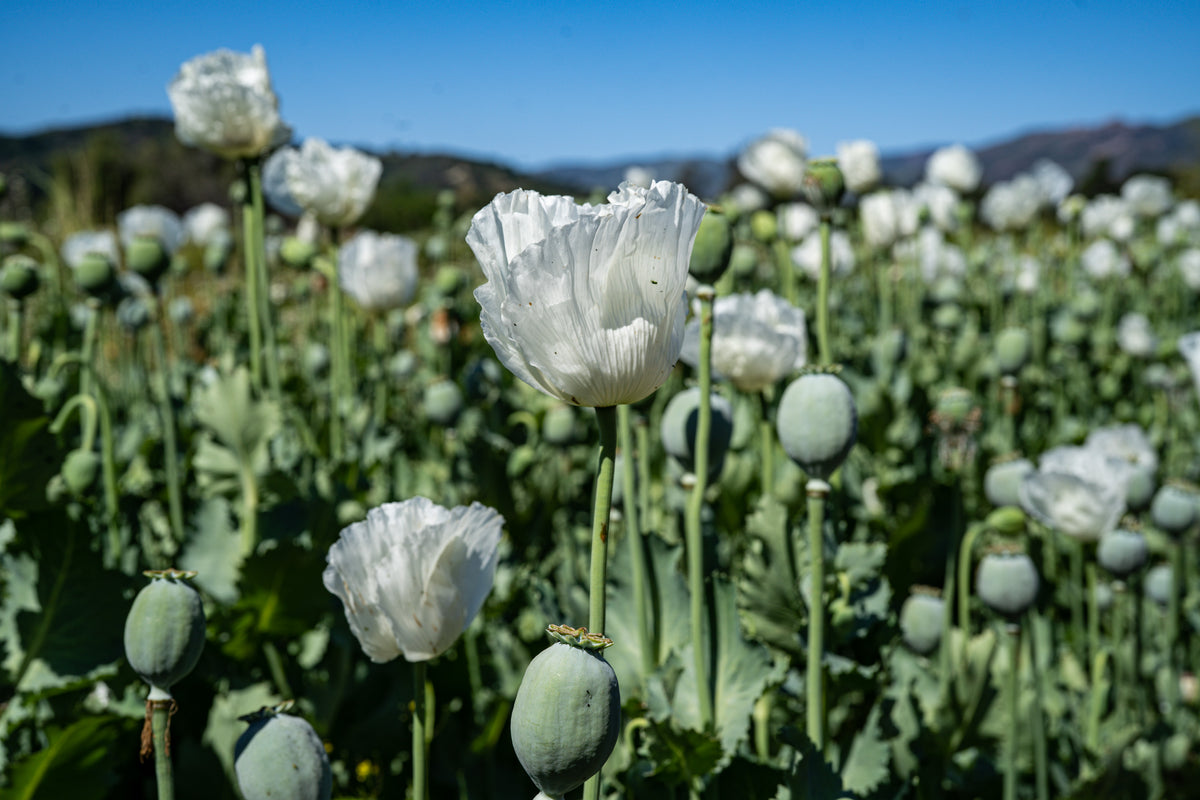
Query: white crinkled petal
[[1071, 504]]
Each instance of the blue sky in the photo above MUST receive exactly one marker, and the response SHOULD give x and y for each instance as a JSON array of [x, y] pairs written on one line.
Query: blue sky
[[535, 83]]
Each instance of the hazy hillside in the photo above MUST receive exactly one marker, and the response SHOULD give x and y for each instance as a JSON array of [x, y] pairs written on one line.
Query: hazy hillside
[[86, 175]]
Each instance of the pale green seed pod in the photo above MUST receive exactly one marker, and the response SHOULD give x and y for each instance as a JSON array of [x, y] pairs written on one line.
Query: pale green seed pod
[[1007, 582], [1122, 552], [79, 470], [1160, 584], [442, 401], [1013, 349], [281, 756], [95, 274], [712, 248], [678, 427], [817, 423], [1173, 510], [164, 631], [19, 276], [146, 256], [921, 619], [567, 714], [1003, 479]]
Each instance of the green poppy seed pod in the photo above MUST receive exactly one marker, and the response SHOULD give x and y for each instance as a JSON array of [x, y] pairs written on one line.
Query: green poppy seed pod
[[95, 274], [712, 248], [558, 426], [1086, 304], [1067, 328], [567, 714], [1013, 348], [954, 405], [1122, 552], [449, 280], [921, 621], [14, 233], [19, 276], [297, 252], [147, 257], [817, 423], [744, 260], [1007, 582], [1003, 479], [79, 470], [1160, 584], [1173, 510], [281, 756], [947, 317], [824, 183], [763, 225], [437, 248], [442, 401], [1141, 489], [678, 428], [1007, 520], [947, 289], [164, 632]]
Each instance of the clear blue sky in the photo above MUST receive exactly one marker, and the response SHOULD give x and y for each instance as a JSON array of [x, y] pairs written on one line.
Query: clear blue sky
[[533, 83]]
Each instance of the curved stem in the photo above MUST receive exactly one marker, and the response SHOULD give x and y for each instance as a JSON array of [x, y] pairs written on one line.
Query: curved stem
[[817, 492], [89, 345], [637, 547], [171, 455], [694, 532], [823, 296], [964, 579]]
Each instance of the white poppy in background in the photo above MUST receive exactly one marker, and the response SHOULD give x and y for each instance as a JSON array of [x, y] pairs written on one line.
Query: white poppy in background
[[413, 575], [1135, 336], [954, 166], [204, 223], [335, 183], [1126, 443], [1180, 225], [78, 245], [586, 303], [940, 201], [797, 220], [1102, 260], [152, 222], [378, 270], [746, 197], [1011, 205], [776, 162], [1054, 183], [757, 339], [639, 176], [224, 103], [936, 257], [1107, 215], [859, 162], [1077, 491], [1189, 267], [1147, 195], [879, 215], [807, 254]]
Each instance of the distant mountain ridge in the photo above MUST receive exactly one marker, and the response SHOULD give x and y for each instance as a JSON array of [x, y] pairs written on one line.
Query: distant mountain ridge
[[139, 160]]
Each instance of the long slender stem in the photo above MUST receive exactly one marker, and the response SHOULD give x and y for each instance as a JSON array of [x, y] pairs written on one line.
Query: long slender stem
[[250, 265], [637, 547], [766, 432], [90, 331], [420, 788], [1040, 767], [964, 579], [270, 355], [160, 722], [380, 336], [817, 491], [694, 533], [14, 332], [249, 510], [275, 665], [171, 455], [786, 269], [1093, 611], [1014, 720], [336, 356], [949, 581], [823, 296], [1078, 629]]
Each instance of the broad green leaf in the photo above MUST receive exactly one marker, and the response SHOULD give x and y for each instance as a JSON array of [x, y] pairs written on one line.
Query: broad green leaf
[[240, 422], [214, 551], [76, 763], [29, 454], [867, 764], [769, 597]]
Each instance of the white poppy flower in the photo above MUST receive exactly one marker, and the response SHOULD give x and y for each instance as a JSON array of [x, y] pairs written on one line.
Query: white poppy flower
[[797, 220], [1135, 336], [776, 162], [954, 166], [859, 162], [1127, 443], [1147, 195], [205, 222], [1189, 348], [807, 254], [224, 103], [334, 183], [879, 215], [1101, 260], [378, 270], [757, 339], [83, 243], [1189, 267], [586, 303], [413, 575], [153, 222], [1078, 491], [940, 201], [1107, 215]]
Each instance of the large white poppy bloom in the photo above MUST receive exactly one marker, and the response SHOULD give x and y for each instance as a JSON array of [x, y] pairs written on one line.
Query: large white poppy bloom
[[413, 575], [224, 103], [587, 303], [378, 270], [757, 339], [954, 166], [1078, 491], [83, 243], [335, 183], [859, 162], [154, 222]]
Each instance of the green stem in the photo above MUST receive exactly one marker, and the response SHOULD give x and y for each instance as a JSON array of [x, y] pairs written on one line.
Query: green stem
[[271, 354], [766, 433], [160, 726], [14, 332], [420, 788], [1121, 673], [249, 511], [823, 296], [786, 269], [762, 726], [945, 656], [1078, 630], [606, 419], [817, 492], [90, 332], [380, 336], [883, 278], [637, 547], [275, 665], [643, 468], [964, 579], [337, 365], [1096, 711], [1172, 640], [166, 409], [250, 265], [1040, 767], [695, 507], [1014, 720], [1093, 611]]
